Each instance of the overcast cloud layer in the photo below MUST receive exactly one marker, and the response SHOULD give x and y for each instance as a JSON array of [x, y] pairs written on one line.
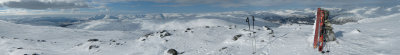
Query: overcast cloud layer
[[67, 4], [238, 3], [174, 5], [42, 4]]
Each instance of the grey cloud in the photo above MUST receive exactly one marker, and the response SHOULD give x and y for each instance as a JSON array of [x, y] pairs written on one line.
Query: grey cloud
[[240, 3], [237, 3], [35, 4]]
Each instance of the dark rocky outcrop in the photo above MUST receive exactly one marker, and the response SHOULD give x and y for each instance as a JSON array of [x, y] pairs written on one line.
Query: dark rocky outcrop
[[93, 46], [236, 37], [20, 48], [41, 40], [93, 40], [172, 51], [188, 29], [35, 54], [207, 26], [164, 33], [223, 48]]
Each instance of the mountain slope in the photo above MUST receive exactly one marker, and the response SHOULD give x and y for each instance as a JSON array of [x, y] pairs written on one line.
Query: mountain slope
[[197, 35]]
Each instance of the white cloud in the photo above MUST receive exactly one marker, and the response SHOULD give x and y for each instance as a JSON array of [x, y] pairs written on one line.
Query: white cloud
[[44, 4], [13, 11], [73, 6], [238, 3]]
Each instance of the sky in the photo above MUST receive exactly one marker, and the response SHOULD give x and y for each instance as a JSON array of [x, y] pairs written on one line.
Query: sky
[[92, 7]]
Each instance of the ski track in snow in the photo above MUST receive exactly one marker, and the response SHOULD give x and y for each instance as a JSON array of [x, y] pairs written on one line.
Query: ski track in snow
[[198, 35]]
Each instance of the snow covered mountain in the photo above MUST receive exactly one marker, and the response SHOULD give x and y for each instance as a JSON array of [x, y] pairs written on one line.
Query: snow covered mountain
[[361, 31]]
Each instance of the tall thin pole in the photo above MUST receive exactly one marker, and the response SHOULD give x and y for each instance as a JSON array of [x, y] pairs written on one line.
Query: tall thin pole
[[253, 21], [248, 22], [254, 38]]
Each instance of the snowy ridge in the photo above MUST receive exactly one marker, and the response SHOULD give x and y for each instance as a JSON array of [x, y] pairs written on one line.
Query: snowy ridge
[[222, 33], [305, 16]]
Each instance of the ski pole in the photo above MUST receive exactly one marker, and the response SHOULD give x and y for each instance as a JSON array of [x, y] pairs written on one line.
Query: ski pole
[[248, 23], [253, 21]]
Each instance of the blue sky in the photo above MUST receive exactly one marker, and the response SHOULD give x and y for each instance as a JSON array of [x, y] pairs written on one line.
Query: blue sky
[[92, 7]]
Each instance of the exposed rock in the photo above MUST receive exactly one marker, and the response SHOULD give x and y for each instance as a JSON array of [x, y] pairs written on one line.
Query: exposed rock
[[164, 33], [223, 48], [236, 37], [118, 44], [244, 30], [93, 46], [93, 40], [79, 44], [272, 32], [207, 26], [20, 48], [35, 54], [188, 29], [172, 51], [266, 28], [41, 40], [148, 34], [356, 31], [181, 52], [113, 41]]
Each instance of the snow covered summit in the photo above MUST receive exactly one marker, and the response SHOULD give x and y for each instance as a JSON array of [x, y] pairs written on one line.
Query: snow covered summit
[[224, 33]]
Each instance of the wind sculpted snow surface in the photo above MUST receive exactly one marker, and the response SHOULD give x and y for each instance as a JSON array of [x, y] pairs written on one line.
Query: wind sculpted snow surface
[[198, 34]]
